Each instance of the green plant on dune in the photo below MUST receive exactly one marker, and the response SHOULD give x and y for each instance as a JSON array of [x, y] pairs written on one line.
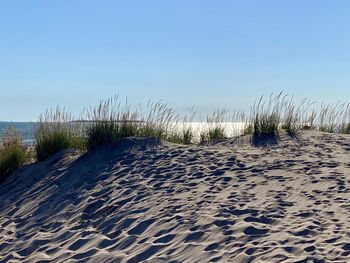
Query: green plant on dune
[[102, 132], [345, 128], [187, 129], [109, 122], [276, 113], [327, 118], [187, 135], [56, 131], [248, 129], [180, 137], [266, 117], [181, 132], [156, 120], [333, 118], [13, 153], [175, 137], [216, 130], [291, 118], [216, 133]]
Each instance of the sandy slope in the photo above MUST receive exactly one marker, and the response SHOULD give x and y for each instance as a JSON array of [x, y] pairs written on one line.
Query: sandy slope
[[219, 203]]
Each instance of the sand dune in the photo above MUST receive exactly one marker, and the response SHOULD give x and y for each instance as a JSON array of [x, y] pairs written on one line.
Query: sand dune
[[148, 201]]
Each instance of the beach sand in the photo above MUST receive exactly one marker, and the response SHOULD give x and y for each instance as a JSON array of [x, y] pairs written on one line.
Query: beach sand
[[147, 201]]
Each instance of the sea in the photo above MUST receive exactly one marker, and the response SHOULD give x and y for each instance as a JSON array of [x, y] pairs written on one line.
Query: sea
[[25, 129]]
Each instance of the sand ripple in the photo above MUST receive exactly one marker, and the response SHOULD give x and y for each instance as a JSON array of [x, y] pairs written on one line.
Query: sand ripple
[[225, 202]]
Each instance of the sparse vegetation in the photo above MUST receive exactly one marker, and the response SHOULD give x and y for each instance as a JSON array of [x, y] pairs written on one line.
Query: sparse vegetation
[[216, 129], [280, 112], [187, 134], [110, 121], [334, 118], [266, 116], [56, 131], [182, 136], [13, 154], [182, 132]]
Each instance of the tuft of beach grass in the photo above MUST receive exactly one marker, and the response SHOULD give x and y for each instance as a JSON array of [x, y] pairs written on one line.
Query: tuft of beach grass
[[13, 153], [56, 131]]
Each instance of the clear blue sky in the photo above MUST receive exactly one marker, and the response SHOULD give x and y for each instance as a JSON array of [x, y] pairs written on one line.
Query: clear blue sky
[[187, 52]]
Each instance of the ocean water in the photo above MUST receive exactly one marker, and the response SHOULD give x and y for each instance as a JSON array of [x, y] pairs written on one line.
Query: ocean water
[[26, 129]]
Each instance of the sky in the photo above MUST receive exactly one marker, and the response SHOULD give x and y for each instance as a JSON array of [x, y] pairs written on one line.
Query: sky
[[210, 54]]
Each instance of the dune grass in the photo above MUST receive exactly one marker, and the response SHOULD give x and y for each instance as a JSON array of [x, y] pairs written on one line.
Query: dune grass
[[334, 118], [180, 131], [56, 131], [215, 128], [280, 112], [13, 153], [180, 136], [266, 116], [110, 122]]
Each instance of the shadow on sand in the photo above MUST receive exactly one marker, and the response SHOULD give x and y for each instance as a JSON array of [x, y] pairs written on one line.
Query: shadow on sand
[[265, 140]]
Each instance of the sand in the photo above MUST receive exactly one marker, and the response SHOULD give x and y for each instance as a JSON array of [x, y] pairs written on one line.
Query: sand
[[148, 201]]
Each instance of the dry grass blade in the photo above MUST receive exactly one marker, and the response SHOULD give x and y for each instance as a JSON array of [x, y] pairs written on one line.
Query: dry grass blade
[[13, 153], [56, 131]]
